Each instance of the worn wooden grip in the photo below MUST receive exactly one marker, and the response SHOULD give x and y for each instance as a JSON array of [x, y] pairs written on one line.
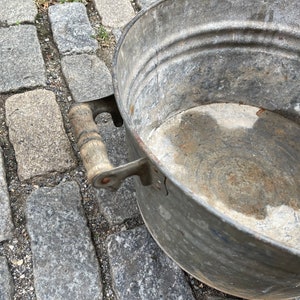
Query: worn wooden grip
[[92, 149]]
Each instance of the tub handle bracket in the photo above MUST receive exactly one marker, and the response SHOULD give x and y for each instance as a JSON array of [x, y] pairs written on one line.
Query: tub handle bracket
[[100, 172], [113, 178]]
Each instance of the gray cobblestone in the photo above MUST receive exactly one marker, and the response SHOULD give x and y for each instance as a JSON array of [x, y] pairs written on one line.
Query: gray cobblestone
[[87, 76], [71, 28], [117, 33], [39, 148], [6, 225], [21, 61], [64, 260], [140, 270], [120, 205], [6, 284], [16, 11], [115, 13]]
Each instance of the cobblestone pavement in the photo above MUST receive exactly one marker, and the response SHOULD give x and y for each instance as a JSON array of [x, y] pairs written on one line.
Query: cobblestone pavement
[[59, 238]]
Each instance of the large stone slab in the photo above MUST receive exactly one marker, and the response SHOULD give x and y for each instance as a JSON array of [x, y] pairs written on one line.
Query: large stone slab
[[16, 11], [115, 13], [72, 31], [64, 260], [6, 283], [87, 76], [6, 224], [37, 134], [140, 270], [120, 205], [21, 60]]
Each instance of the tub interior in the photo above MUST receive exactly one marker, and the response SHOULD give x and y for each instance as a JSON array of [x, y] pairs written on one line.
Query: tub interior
[[172, 59]]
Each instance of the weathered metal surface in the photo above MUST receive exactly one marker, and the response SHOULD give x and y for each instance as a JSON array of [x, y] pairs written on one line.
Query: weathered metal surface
[[175, 58], [179, 55], [113, 178], [241, 160]]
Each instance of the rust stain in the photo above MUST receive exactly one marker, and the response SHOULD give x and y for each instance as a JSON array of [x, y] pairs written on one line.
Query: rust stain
[[131, 110], [294, 203], [213, 167], [260, 112], [269, 185], [105, 180], [188, 147], [279, 132], [232, 179]]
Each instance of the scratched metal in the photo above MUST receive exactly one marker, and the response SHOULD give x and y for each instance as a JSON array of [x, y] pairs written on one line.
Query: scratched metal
[[179, 55]]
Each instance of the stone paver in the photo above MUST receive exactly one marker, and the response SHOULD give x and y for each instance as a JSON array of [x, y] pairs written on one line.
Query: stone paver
[[6, 225], [117, 32], [21, 61], [87, 76], [37, 133], [64, 260], [140, 270], [16, 11], [115, 13], [6, 284], [71, 28], [120, 205]]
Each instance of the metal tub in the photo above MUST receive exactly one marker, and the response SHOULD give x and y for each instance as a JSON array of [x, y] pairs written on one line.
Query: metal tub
[[180, 55]]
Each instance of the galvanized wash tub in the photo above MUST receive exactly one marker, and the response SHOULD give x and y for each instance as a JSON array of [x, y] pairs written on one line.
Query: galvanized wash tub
[[207, 189]]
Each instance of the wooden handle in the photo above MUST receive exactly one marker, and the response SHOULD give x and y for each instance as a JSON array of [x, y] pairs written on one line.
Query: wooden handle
[[92, 150]]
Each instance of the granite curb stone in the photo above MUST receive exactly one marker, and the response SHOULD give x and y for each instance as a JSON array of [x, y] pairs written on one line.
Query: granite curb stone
[[87, 76], [64, 260], [16, 11], [37, 134], [6, 282], [115, 13], [140, 270], [21, 60], [6, 224], [72, 31]]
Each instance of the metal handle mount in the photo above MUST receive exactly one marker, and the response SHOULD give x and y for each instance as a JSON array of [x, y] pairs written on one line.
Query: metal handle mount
[[100, 172]]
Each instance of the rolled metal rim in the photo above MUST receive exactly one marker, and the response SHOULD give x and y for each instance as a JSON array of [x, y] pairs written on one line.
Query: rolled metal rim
[[163, 169]]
